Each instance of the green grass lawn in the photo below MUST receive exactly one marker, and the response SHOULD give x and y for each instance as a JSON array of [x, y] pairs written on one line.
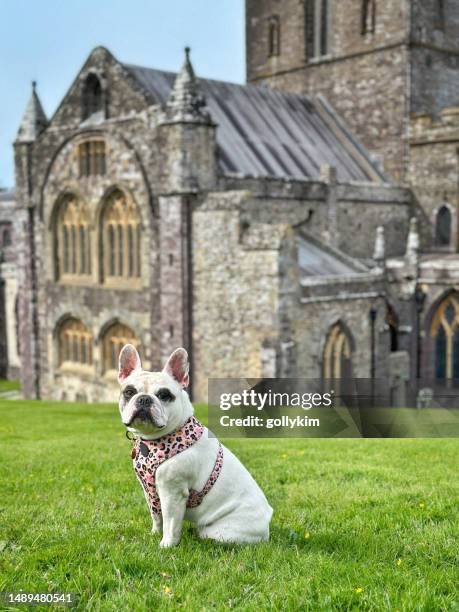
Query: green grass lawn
[[357, 525], [9, 385]]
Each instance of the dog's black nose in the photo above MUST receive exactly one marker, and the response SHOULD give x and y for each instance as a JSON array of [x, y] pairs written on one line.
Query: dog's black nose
[[143, 402]]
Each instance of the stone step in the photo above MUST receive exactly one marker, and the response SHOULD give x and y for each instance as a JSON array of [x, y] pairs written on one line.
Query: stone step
[[11, 395]]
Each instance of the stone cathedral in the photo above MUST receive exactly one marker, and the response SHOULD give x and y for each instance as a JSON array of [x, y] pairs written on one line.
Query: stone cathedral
[[302, 225]]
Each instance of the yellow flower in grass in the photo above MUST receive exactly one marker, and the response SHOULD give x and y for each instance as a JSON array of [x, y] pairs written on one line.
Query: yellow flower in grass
[[284, 456], [167, 590], [399, 562], [359, 590], [307, 535], [421, 504]]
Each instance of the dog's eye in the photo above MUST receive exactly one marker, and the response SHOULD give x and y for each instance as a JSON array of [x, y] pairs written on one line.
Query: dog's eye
[[129, 392], [165, 395]]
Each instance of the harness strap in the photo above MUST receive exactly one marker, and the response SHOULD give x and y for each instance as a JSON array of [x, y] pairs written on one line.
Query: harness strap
[[196, 497], [148, 455]]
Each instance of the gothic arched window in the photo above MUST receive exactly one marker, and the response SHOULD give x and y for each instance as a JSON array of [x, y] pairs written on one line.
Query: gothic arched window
[[120, 238], [316, 27], [440, 21], [324, 17], [75, 344], [92, 101], [443, 227], [115, 337], [368, 16], [274, 36], [337, 358], [91, 158], [5, 231], [309, 27], [73, 249], [445, 335]]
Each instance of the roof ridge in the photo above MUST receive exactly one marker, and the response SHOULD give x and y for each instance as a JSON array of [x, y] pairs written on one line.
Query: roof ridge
[[264, 88]]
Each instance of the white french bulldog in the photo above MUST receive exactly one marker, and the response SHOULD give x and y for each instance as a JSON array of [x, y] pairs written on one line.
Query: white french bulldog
[[185, 473]]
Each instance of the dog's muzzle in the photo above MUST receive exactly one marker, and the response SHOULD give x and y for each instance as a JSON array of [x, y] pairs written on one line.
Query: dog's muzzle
[[144, 402], [143, 411]]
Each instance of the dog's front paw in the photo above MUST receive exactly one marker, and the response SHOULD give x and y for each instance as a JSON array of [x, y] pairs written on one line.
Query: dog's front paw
[[168, 542]]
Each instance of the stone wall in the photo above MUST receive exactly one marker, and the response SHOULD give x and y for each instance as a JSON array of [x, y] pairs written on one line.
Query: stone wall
[[123, 96], [345, 35], [437, 283], [151, 163], [47, 169], [434, 56], [350, 307], [434, 26], [246, 300], [436, 276], [235, 290], [8, 272], [434, 166], [174, 282], [292, 51], [95, 303], [26, 310], [365, 78], [9, 233], [409, 64], [434, 79], [358, 210]]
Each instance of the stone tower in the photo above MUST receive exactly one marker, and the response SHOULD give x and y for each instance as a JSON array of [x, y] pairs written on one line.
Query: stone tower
[[376, 61], [33, 123], [187, 139]]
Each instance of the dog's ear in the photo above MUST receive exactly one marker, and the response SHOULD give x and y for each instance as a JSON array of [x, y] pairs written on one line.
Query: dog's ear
[[129, 361], [177, 366]]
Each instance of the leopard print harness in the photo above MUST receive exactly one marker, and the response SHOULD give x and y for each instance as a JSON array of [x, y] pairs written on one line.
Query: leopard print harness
[[148, 455]]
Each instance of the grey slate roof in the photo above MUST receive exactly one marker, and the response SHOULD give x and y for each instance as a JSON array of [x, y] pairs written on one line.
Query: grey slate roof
[[7, 195], [316, 259], [267, 133]]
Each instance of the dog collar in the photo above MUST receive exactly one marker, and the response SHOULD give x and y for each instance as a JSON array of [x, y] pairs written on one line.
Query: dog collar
[[170, 444], [148, 455]]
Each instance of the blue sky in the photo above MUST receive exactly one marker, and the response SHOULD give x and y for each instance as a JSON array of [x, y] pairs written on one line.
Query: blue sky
[[48, 40]]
